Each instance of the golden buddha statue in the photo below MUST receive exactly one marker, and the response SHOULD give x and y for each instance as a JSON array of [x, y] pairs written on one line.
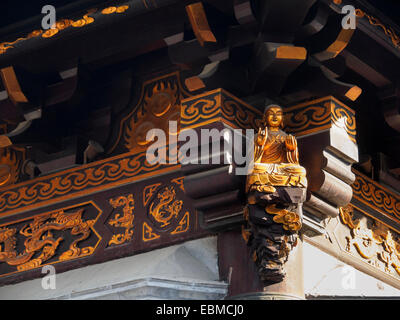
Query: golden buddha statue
[[276, 158]]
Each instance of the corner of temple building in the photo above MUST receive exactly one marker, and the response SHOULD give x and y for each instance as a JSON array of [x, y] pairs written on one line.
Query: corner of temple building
[[200, 150]]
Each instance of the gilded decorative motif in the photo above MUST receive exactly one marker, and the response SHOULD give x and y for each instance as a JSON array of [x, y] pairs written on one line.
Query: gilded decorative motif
[[124, 221], [218, 105], [165, 207], [165, 210], [41, 241], [62, 25], [318, 115], [376, 244], [160, 105], [73, 182], [11, 160], [148, 234], [374, 195], [119, 9], [183, 225], [289, 219], [394, 37], [148, 192]]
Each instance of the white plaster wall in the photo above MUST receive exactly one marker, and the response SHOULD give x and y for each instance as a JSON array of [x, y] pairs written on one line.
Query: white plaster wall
[[184, 271], [325, 275]]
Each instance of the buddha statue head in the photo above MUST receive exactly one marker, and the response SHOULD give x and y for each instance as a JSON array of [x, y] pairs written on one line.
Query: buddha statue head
[[273, 117]]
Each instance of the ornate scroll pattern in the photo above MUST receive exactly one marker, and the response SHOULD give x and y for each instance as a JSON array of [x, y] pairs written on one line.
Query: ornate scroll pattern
[[62, 25], [125, 221], [376, 244], [95, 175], [394, 37], [318, 115], [42, 237], [374, 195], [218, 105]]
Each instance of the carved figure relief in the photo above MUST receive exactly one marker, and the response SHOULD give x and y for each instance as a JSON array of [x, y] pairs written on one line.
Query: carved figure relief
[[274, 188]]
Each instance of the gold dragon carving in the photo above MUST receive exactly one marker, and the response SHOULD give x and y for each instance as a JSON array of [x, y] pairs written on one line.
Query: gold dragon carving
[[41, 242], [167, 206], [375, 244], [124, 221]]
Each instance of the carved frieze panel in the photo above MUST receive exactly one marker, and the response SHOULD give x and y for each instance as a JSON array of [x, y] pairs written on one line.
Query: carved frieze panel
[[63, 24], [78, 181], [125, 220], [369, 240], [318, 115], [48, 238]]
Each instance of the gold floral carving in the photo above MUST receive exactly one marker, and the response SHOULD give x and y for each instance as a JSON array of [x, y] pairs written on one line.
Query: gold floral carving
[[41, 242], [62, 25], [165, 207], [394, 37], [124, 221], [376, 244], [218, 105], [290, 220]]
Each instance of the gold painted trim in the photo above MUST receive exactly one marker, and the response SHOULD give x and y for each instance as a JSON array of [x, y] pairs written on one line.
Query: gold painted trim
[[89, 191], [389, 31], [370, 202]]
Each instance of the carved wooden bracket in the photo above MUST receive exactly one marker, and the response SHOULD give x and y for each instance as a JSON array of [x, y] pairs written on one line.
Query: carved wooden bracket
[[326, 132]]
